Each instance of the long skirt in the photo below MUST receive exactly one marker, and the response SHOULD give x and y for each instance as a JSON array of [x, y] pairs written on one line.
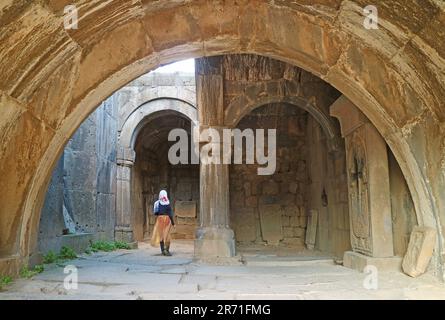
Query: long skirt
[[161, 231]]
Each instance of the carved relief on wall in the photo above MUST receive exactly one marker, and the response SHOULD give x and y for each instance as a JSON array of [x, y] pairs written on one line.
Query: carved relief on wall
[[358, 194]]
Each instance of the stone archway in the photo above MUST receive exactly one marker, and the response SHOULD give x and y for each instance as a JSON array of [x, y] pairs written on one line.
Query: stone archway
[[128, 133], [392, 74], [136, 120], [326, 123]]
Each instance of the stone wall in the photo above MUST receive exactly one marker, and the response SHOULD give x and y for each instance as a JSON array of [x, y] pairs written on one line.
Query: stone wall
[[52, 222], [272, 208], [84, 182], [328, 192], [403, 213], [182, 185]]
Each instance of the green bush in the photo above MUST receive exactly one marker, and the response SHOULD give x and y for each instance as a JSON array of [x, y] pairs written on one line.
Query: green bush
[[67, 253], [122, 245], [103, 246], [26, 273], [50, 257], [107, 246]]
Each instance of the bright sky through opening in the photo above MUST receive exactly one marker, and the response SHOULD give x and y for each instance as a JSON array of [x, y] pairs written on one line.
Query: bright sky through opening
[[186, 66]]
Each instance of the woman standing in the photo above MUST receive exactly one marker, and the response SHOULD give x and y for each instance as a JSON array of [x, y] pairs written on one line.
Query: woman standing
[[164, 222]]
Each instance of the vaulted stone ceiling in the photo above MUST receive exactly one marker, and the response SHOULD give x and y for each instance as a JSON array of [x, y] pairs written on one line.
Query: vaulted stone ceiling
[[53, 78]]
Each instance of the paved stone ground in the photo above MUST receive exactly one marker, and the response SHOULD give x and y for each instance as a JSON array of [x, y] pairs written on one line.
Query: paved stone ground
[[265, 274]]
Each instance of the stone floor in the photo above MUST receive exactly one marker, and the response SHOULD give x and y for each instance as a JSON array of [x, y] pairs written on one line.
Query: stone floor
[[263, 274]]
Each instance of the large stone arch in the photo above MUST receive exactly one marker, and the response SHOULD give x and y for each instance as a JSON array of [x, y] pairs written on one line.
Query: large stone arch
[[134, 95], [393, 74], [234, 114], [137, 119]]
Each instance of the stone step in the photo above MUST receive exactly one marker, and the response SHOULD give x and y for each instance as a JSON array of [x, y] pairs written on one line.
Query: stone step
[[275, 261]]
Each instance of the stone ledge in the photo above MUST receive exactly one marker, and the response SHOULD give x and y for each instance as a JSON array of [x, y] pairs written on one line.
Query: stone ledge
[[358, 261], [220, 261]]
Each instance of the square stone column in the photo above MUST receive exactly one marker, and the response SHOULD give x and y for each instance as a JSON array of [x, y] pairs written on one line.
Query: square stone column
[[123, 230], [368, 190], [214, 238]]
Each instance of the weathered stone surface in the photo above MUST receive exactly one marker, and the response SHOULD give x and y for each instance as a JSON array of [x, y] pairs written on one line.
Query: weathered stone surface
[[88, 188], [271, 227], [281, 187], [359, 262], [419, 252], [51, 218], [185, 209], [184, 232], [368, 182], [395, 75], [311, 231], [244, 224]]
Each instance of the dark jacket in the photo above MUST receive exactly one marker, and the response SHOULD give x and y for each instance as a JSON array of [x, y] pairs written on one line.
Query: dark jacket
[[165, 210]]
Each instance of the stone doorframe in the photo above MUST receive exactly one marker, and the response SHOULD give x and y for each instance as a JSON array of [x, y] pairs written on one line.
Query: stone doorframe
[[126, 155]]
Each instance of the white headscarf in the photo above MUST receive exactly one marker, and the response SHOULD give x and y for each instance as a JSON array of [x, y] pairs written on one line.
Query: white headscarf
[[163, 198]]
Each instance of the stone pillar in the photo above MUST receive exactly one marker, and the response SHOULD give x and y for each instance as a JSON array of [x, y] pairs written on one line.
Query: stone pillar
[[368, 190], [123, 230], [214, 238]]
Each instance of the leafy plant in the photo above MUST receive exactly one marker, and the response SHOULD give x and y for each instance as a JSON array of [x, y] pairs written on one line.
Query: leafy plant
[[50, 257], [25, 272], [122, 245], [102, 246], [67, 253], [107, 246], [4, 281]]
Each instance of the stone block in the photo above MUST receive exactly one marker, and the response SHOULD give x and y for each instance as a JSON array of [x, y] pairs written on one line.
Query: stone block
[[270, 218], [266, 200], [214, 243], [291, 211], [251, 201], [185, 209], [287, 199], [420, 250], [358, 261], [294, 221], [270, 188], [288, 232], [243, 221], [286, 221], [311, 231], [299, 232], [82, 207], [186, 220], [293, 187], [184, 232], [184, 191]]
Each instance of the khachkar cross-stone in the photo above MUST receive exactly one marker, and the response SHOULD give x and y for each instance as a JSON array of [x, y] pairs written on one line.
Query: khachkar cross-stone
[[368, 187]]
